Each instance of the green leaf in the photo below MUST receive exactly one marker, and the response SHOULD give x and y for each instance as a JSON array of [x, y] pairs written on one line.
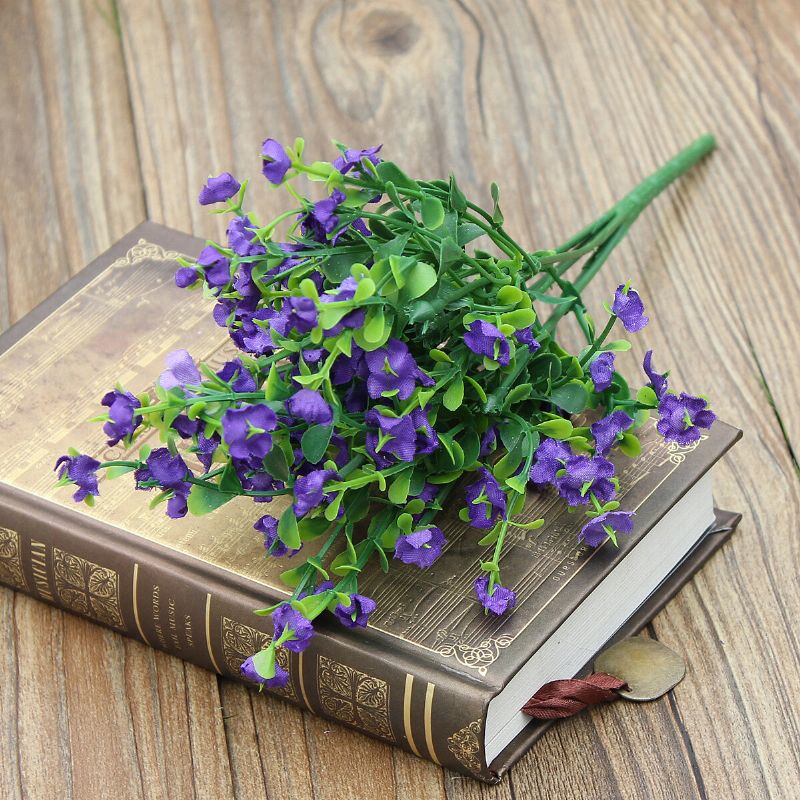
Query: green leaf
[[264, 663], [291, 577], [521, 318], [364, 289], [511, 433], [497, 214], [398, 491], [647, 397], [229, 480], [389, 171], [115, 472], [630, 445], [449, 253], [468, 232], [203, 500], [508, 464], [440, 356], [456, 199], [471, 445], [356, 504], [621, 345], [572, 397], [519, 393], [332, 510], [373, 328], [337, 266], [477, 387], [548, 365], [419, 279], [315, 442], [432, 212], [454, 395], [312, 527], [555, 428], [276, 464], [445, 477], [288, 531], [382, 558]]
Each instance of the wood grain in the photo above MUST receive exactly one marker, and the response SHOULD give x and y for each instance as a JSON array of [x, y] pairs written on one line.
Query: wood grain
[[108, 114]]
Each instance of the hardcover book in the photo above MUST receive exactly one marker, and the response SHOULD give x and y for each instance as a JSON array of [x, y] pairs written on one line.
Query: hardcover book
[[432, 673]]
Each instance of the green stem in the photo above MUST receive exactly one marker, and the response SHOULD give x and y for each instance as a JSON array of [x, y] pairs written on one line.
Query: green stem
[[604, 235]]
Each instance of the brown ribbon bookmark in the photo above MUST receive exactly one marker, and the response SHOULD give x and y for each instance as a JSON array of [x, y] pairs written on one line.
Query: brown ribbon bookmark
[[560, 699], [647, 669]]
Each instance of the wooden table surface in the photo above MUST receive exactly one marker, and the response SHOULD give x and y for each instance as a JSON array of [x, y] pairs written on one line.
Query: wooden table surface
[[111, 113]]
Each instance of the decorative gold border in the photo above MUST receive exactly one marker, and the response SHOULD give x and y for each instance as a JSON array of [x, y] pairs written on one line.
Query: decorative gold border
[[407, 714], [87, 588], [146, 251], [355, 697], [208, 634], [429, 722], [11, 559], [465, 745], [136, 605]]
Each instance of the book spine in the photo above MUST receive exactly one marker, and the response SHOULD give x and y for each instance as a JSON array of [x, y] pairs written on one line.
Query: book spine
[[80, 565]]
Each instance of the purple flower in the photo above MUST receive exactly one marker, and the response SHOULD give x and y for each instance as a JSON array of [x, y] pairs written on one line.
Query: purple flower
[[309, 406], [551, 455], [216, 268], [246, 430], [218, 189], [169, 472], [308, 490], [525, 336], [428, 493], [352, 159], [346, 291], [297, 313], [484, 339], [123, 422], [256, 480], [605, 431], [393, 368], [242, 238], [82, 471], [284, 616], [278, 681], [602, 371], [682, 417], [186, 276], [401, 437], [486, 501], [499, 601], [276, 162], [585, 476], [596, 531], [421, 547], [657, 380], [272, 544], [180, 371], [234, 372], [356, 614], [629, 308], [322, 218], [488, 441]]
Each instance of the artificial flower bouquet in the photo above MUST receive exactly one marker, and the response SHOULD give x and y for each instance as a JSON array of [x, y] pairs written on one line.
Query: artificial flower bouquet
[[398, 348]]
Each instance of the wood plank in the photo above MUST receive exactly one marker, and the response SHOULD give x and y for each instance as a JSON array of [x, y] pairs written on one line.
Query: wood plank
[[568, 105], [70, 174]]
